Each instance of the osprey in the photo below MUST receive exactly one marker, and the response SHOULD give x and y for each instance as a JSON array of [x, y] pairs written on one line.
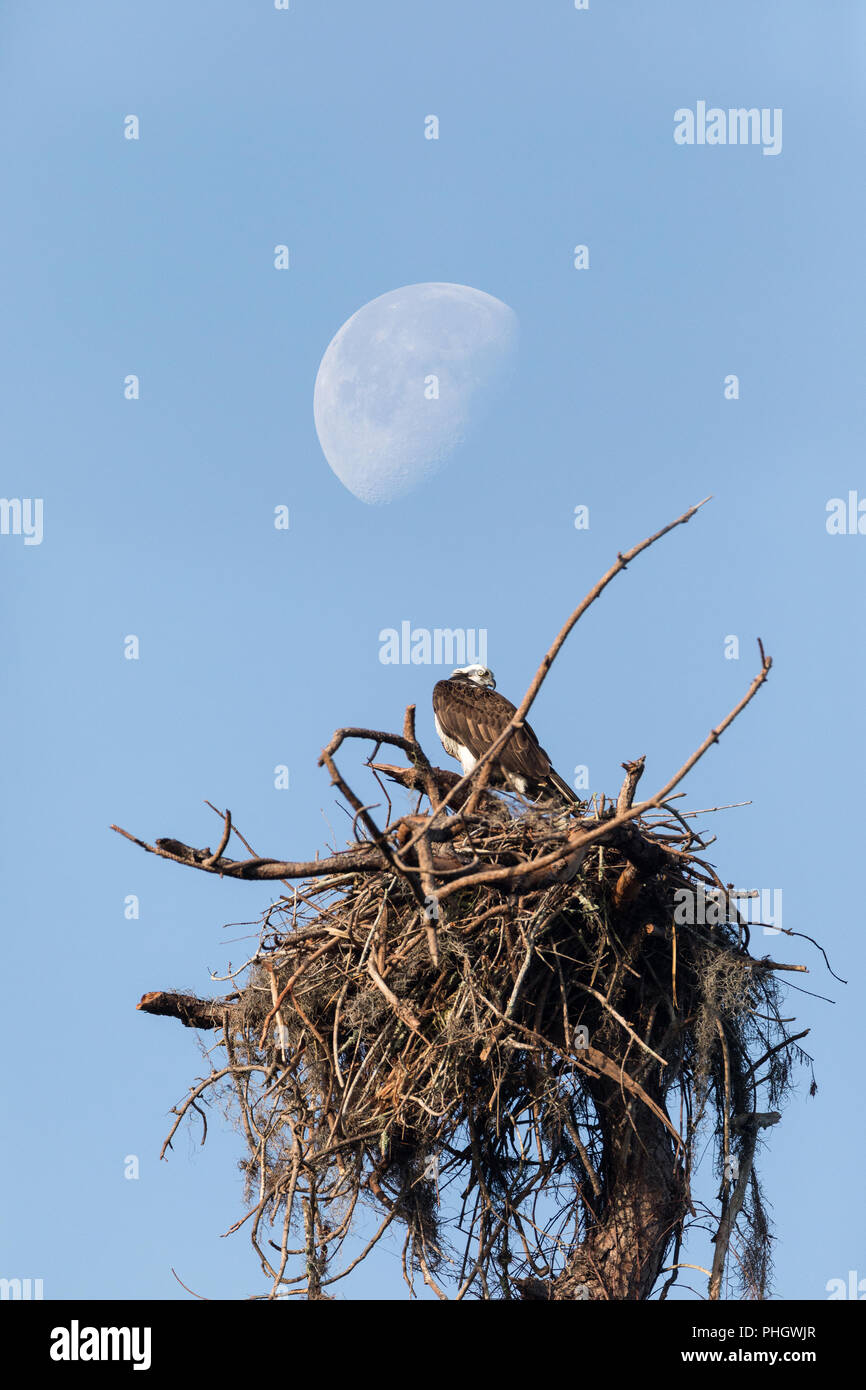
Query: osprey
[[470, 715]]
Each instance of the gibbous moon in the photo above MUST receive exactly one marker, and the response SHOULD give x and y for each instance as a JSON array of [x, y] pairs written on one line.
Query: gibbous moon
[[405, 379]]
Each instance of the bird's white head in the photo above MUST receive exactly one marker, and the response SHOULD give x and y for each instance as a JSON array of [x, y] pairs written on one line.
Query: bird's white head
[[479, 675]]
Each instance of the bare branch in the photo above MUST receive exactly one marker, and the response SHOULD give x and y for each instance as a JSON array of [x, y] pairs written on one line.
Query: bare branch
[[363, 859], [749, 1125]]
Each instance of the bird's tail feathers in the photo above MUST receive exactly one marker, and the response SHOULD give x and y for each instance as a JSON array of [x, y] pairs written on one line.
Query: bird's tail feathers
[[563, 788]]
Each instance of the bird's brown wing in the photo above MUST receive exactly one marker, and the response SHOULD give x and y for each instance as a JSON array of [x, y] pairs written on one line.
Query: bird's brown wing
[[475, 717]]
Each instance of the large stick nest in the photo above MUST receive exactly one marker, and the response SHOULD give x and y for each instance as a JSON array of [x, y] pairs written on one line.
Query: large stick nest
[[495, 1024], [415, 1048]]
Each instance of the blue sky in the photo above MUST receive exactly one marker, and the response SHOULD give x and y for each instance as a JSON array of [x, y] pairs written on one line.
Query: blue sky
[[155, 257]]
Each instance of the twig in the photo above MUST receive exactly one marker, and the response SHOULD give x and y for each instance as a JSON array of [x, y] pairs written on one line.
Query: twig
[[208, 863], [403, 1013]]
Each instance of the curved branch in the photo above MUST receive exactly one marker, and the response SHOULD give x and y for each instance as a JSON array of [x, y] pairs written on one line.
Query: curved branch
[[363, 859]]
